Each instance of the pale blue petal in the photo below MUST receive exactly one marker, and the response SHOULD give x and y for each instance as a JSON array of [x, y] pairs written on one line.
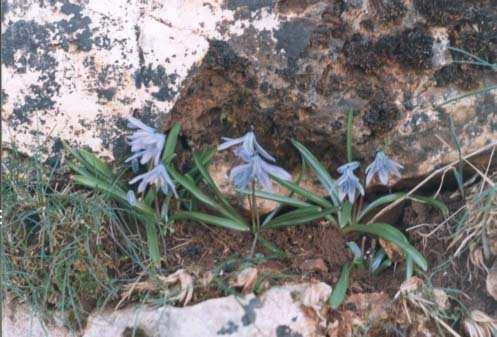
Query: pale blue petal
[[229, 142], [134, 123], [263, 152], [131, 197], [348, 167], [276, 171]]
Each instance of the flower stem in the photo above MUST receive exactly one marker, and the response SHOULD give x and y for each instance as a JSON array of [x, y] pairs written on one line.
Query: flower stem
[[255, 219], [350, 118]]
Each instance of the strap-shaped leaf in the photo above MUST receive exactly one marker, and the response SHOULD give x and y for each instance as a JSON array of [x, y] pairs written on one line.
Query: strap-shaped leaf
[[171, 141], [432, 202], [189, 185], [299, 216], [338, 294], [389, 198], [212, 184], [206, 157], [272, 248], [92, 163], [114, 191], [386, 199], [210, 219], [95, 164], [320, 171], [284, 200], [153, 243], [393, 235], [345, 214], [308, 195]]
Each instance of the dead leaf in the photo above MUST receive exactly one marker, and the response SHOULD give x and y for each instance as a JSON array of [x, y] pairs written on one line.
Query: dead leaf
[[246, 280], [314, 265], [185, 282], [176, 287], [492, 281], [393, 252], [479, 324]]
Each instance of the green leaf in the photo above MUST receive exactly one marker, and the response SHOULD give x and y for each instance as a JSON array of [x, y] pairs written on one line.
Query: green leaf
[[284, 200], [150, 196], [190, 186], [210, 219], [338, 294], [393, 235], [377, 261], [308, 195], [113, 191], [153, 243], [212, 184], [318, 168], [409, 267], [432, 202], [95, 183], [272, 248], [356, 250], [79, 170], [171, 141], [299, 216], [387, 199], [206, 157], [95, 164], [345, 214], [73, 151]]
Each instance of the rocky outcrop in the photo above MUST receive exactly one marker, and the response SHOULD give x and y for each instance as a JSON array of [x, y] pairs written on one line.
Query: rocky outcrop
[[291, 69], [279, 312], [388, 61]]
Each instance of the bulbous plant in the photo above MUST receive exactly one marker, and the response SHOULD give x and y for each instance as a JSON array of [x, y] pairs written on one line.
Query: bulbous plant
[[247, 177], [345, 209], [153, 150], [254, 171]]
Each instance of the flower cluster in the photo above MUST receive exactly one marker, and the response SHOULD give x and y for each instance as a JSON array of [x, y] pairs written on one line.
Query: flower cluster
[[147, 145], [382, 167], [254, 167], [348, 183]]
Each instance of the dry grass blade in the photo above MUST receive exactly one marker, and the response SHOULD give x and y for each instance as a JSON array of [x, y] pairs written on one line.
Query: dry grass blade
[[480, 224], [246, 279], [177, 287], [435, 173], [479, 324], [432, 302]]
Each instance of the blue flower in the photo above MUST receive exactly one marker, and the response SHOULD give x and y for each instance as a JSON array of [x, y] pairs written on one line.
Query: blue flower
[[159, 177], [146, 143], [131, 198], [348, 183], [256, 169], [383, 167], [248, 146]]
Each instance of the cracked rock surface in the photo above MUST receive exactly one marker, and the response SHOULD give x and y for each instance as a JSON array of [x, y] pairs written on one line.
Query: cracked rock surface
[[279, 312], [72, 70]]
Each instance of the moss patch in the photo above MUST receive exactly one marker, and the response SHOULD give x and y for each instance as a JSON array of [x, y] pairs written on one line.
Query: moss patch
[[388, 11], [411, 48], [361, 54], [440, 12], [381, 114]]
